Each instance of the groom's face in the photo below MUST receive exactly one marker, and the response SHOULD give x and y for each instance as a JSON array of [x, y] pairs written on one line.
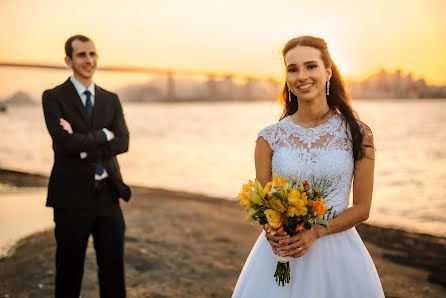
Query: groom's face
[[84, 59]]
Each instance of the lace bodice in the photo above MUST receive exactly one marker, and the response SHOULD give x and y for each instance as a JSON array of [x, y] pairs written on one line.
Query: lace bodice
[[322, 152]]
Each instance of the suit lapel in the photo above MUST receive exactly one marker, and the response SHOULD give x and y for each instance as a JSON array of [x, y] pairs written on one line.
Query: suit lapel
[[99, 107], [76, 100]]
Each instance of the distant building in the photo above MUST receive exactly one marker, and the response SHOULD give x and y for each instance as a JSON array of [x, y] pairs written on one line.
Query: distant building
[[394, 85]]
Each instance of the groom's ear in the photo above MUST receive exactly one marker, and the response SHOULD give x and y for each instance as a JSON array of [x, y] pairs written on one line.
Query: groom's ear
[[68, 61]]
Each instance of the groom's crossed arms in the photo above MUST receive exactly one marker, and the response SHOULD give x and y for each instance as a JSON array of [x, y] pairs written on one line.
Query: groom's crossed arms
[[93, 142]]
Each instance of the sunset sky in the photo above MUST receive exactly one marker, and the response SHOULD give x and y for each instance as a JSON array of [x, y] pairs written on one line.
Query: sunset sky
[[232, 35]]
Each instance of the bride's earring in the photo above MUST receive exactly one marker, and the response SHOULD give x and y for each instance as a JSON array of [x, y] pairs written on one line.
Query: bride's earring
[[328, 87], [289, 94]]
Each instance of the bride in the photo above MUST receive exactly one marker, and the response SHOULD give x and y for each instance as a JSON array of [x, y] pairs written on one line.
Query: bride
[[319, 135]]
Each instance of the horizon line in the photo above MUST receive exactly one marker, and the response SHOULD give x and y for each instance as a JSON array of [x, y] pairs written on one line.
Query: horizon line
[[197, 72]]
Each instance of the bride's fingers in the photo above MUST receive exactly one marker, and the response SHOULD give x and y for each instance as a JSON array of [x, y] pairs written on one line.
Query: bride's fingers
[[276, 238], [292, 246], [273, 243], [289, 240], [297, 253], [277, 252], [274, 247]]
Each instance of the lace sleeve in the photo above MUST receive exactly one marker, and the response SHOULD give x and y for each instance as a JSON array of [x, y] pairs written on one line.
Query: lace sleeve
[[367, 134], [367, 140], [268, 134]]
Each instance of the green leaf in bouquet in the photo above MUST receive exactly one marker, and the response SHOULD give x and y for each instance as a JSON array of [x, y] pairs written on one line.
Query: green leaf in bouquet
[[251, 213], [260, 189], [308, 226], [289, 229], [278, 195], [328, 213], [255, 198], [292, 223], [295, 180], [262, 220], [322, 222]]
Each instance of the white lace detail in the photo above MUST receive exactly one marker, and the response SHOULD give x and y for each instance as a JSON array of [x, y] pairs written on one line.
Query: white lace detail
[[322, 152]]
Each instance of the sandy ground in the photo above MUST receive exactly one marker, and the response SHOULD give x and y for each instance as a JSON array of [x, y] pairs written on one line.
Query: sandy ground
[[188, 245]]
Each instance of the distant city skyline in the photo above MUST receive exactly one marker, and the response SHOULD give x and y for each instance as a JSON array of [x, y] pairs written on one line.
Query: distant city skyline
[[141, 69], [164, 86]]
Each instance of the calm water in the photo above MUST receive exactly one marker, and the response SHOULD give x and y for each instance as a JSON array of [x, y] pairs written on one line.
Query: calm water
[[208, 148]]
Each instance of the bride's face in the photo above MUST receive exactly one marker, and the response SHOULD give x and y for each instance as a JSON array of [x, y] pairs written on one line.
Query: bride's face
[[306, 74]]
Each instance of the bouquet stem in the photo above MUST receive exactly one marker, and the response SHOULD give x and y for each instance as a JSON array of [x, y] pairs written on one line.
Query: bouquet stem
[[282, 273]]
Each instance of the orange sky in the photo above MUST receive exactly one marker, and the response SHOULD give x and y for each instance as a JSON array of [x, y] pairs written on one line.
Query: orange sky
[[232, 35]]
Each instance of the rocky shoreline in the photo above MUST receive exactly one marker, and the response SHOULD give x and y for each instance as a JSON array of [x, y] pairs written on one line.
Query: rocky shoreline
[[181, 244]]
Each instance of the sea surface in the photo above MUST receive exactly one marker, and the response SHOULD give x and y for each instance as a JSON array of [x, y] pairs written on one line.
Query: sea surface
[[208, 148]]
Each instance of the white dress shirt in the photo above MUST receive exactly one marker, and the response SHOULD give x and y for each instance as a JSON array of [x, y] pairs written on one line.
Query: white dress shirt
[[80, 90]]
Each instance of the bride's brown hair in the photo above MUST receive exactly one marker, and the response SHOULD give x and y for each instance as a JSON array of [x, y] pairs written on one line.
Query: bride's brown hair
[[338, 100]]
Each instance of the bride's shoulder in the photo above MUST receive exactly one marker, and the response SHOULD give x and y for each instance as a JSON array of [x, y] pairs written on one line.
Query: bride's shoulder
[[271, 132], [366, 131], [364, 128]]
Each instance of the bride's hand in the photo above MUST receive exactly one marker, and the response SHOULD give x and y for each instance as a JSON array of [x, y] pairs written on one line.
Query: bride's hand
[[297, 245], [274, 239]]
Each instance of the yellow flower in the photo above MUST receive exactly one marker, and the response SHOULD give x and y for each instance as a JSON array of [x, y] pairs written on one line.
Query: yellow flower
[[260, 189], [292, 211], [299, 201], [301, 208], [246, 187], [245, 200], [294, 196], [277, 205], [279, 182], [268, 187], [273, 218]]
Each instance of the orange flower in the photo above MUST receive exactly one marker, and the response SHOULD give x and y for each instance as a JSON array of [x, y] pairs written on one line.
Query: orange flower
[[319, 208], [247, 187], [252, 184], [300, 227]]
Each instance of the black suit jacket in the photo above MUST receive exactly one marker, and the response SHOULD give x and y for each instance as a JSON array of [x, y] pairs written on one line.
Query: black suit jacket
[[71, 183]]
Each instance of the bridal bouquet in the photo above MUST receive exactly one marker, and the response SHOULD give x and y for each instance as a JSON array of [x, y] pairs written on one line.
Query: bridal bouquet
[[289, 207]]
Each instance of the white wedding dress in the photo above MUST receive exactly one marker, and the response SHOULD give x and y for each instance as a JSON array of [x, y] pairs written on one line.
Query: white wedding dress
[[336, 265]]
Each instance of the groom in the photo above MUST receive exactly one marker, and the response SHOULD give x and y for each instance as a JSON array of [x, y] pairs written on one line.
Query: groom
[[87, 126]]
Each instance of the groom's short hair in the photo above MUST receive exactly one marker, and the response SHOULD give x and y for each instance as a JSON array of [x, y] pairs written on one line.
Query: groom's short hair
[[69, 46]]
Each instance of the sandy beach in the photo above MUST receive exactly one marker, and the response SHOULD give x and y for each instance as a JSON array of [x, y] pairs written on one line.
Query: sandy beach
[[187, 245]]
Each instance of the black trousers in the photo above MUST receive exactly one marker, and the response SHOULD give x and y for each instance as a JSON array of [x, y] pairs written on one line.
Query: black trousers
[[104, 220]]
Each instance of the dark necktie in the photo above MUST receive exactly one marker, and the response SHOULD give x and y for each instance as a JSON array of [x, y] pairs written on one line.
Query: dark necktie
[[89, 106]]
